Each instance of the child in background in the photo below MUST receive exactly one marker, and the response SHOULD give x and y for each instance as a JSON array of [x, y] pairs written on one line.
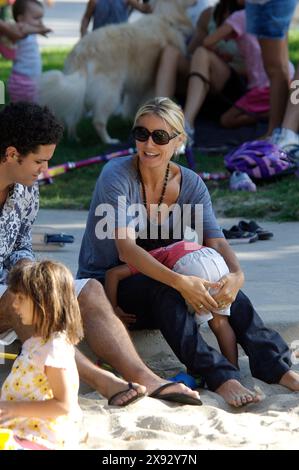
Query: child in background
[[256, 102], [39, 398], [269, 21], [188, 259], [224, 65], [27, 65], [105, 12]]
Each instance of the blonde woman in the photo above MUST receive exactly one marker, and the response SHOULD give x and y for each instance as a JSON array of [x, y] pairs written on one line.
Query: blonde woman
[[139, 204]]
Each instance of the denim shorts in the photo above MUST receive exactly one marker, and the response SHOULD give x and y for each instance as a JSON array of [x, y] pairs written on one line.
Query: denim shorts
[[270, 20]]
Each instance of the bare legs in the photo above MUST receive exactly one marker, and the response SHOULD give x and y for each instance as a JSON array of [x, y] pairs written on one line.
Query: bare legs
[[226, 337], [214, 70], [231, 391], [105, 382], [172, 63], [275, 57]]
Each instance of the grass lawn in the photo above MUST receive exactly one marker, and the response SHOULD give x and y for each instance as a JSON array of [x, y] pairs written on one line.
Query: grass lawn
[[278, 200]]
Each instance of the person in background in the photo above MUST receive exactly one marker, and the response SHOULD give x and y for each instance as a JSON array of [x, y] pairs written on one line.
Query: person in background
[[198, 8], [269, 21], [105, 12], [225, 63], [27, 64], [12, 32], [255, 103], [287, 136]]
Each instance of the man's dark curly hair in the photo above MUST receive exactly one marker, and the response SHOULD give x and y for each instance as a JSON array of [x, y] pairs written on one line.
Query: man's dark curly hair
[[25, 126]]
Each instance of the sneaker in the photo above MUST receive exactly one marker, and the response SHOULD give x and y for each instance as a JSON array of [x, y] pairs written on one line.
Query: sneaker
[[235, 236], [253, 227], [240, 181], [285, 138], [293, 154]]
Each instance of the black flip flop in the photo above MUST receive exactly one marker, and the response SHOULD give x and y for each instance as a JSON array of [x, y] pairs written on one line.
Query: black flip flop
[[175, 396], [122, 392]]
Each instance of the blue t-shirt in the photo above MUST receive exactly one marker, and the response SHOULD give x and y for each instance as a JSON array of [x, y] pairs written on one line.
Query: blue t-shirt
[[117, 203], [28, 59], [110, 12]]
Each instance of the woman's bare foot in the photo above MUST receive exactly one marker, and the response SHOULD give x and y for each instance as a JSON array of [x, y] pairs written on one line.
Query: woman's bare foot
[[290, 380], [236, 395]]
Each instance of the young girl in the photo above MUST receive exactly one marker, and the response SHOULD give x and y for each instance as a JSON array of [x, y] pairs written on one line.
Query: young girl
[[190, 259], [27, 64], [174, 67], [39, 398]]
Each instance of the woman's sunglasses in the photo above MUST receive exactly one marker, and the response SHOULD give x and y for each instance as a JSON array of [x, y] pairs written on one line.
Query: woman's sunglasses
[[159, 136]]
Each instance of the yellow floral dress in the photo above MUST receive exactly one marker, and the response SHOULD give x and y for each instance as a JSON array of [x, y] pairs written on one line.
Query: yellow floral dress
[[28, 381]]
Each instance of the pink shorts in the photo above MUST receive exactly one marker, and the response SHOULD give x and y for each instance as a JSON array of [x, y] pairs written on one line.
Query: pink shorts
[[256, 100], [22, 88]]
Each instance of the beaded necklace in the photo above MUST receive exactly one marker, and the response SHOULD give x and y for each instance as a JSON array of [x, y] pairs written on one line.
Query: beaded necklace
[[143, 187]]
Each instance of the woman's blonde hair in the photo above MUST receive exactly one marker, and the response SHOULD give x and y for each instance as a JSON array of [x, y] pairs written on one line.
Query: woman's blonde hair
[[167, 110], [50, 285]]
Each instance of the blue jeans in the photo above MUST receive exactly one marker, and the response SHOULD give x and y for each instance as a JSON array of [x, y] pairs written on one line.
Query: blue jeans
[[159, 306], [271, 20]]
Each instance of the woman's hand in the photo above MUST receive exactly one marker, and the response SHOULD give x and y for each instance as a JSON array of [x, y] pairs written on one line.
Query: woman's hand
[[127, 318], [196, 292], [230, 284]]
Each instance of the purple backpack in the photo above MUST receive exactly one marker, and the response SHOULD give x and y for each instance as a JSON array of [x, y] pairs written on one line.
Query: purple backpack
[[260, 160]]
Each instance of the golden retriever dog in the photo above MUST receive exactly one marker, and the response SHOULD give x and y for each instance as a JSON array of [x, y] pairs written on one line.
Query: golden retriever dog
[[114, 64]]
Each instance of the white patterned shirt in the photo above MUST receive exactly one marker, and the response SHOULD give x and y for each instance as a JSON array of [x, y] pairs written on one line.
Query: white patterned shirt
[[16, 219]]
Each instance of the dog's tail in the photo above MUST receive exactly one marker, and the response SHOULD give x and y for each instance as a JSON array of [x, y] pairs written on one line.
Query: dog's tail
[[65, 96]]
